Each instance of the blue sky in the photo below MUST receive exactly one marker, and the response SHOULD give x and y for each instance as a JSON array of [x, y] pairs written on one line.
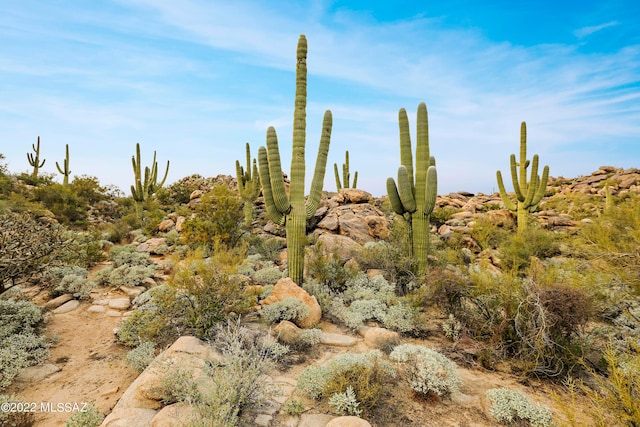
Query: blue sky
[[196, 79]]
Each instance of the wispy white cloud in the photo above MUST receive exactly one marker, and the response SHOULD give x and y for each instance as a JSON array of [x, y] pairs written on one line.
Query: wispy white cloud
[[587, 31]]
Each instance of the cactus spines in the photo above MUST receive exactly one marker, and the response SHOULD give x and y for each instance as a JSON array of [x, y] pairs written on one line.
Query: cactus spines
[[146, 186], [65, 169], [415, 199], [34, 159], [248, 185], [528, 193], [293, 210], [346, 175]]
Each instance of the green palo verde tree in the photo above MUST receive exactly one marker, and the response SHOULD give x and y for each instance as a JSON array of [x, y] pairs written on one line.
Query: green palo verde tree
[[346, 176], [528, 194], [292, 210], [34, 159], [248, 185], [414, 197], [65, 169], [146, 186]]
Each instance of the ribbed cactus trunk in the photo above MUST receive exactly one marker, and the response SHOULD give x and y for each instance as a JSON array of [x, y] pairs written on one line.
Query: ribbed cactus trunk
[[292, 210], [415, 199]]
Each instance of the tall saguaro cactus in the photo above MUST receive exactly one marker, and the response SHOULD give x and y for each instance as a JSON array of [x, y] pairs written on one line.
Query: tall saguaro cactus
[[292, 210], [346, 176], [415, 199], [65, 169], [248, 185], [34, 159], [528, 193], [145, 187]]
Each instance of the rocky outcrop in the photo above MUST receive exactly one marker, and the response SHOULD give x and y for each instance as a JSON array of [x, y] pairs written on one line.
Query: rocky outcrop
[[287, 288]]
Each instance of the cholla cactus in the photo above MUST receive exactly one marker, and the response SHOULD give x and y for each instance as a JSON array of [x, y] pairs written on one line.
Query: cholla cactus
[[528, 194], [512, 407]]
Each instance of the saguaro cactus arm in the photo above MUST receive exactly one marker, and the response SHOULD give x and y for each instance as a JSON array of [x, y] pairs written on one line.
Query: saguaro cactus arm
[[34, 158], [65, 169], [315, 193]]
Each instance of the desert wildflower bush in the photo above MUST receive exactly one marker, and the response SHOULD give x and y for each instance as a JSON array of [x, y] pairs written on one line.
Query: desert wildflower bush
[[513, 408]]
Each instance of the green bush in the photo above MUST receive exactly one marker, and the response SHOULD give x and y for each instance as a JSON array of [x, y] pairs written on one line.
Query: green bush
[[290, 308], [20, 344], [516, 252], [366, 374], [512, 408], [427, 371], [267, 276], [141, 356], [17, 419], [218, 218], [90, 417]]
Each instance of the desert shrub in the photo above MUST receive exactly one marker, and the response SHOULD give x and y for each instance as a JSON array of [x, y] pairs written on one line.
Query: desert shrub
[[324, 295], [287, 309], [345, 403], [616, 395], [441, 215], [90, 417], [267, 276], [20, 344], [128, 255], [452, 328], [293, 407], [218, 218], [517, 250], [27, 247], [160, 319], [141, 356], [401, 317], [238, 383], [512, 408], [391, 257], [366, 374], [177, 384], [427, 371], [180, 191], [212, 293], [125, 275], [327, 269], [310, 337], [269, 248], [70, 279], [84, 249], [488, 234], [18, 418], [63, 202]]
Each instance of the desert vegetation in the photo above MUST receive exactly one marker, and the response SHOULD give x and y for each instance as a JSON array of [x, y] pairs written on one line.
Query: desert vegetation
[[545, 289]]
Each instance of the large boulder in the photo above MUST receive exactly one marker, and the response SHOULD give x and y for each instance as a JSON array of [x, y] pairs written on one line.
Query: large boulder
[[287, 288]]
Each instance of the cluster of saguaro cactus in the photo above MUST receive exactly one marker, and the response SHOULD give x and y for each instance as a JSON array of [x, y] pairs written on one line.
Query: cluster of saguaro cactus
[[65, 169], [528, 193], [34, 159], [415, 199], [248, 185], [346, 175], [147, 186], [292, 210]]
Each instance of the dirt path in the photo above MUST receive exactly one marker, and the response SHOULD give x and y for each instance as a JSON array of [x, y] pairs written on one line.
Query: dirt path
[[91, 365]]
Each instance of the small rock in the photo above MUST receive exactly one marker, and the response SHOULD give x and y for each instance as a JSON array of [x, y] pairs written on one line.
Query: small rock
[[337, 340], [34, 374], [67, 307], [172, 415], [120, 303], [379, 338], [348, 422], [133, 291], [114, 313], [96, 309], [287, 332], [263, 420], [286, 288], [315, 420], [57, 302]]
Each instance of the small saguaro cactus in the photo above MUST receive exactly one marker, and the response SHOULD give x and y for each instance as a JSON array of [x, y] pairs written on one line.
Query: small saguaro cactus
[[346, 176], [415, 199], [147, 186], [528, 194], [248, 185], [292, 210], [65, 169], [34, 159]]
